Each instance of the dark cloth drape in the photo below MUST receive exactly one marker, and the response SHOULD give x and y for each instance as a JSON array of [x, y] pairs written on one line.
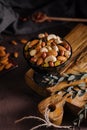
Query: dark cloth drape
[[11, 11]]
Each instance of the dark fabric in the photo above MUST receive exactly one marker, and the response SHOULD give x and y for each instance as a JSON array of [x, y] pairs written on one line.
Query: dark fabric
[[12, 10]]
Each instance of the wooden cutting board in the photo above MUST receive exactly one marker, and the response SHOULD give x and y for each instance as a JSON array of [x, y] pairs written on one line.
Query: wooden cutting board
[[78, 40], [78, 62]]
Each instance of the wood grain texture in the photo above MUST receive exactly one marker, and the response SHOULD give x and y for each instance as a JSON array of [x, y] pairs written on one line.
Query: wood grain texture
[[78, 63], [78, 40]]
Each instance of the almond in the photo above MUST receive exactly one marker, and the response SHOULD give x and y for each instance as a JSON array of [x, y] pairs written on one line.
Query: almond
[[39, 61], [9, 65], [32, 43]]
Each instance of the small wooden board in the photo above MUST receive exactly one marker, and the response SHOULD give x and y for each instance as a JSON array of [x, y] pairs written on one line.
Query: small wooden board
[[78, 62]]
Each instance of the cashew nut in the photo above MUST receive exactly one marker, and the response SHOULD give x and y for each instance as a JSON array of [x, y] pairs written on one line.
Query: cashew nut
[[56, 48], [50, 58], [51, 36], [49, 48], [67, 54], [58, 40], [44, 49], [41, 35], [33, 52]]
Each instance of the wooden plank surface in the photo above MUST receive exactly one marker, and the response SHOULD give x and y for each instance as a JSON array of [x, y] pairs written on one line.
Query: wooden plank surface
[[78, 40], [78, 63]]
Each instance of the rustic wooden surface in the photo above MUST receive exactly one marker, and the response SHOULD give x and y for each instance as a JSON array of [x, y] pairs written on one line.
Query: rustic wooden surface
[[78, 40], [78, 63]]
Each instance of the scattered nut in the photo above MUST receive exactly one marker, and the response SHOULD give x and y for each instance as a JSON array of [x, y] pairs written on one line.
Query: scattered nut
[[1, 67], [14, 42], [2, 48], [4, 59], [16, 54], [9, 65], [23, 41], [41, 35], [32, 43]]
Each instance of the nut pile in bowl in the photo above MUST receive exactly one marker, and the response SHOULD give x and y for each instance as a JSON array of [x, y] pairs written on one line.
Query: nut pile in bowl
[[47, 51]]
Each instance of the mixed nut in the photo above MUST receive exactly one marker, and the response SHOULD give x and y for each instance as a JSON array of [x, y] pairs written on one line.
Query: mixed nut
[[47, 50]]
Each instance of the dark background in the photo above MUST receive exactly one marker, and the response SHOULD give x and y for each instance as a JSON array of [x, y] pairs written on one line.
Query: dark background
[[16, 98], [12, 10]]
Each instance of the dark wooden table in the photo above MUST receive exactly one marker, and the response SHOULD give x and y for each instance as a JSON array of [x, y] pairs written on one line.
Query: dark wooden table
[[16, 98]]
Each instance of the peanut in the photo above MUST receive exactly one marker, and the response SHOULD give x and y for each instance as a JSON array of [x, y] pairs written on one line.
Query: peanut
[[44, 54], [33, 59], [51, 63], [43, 44], [61, 53], [66, 46]]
